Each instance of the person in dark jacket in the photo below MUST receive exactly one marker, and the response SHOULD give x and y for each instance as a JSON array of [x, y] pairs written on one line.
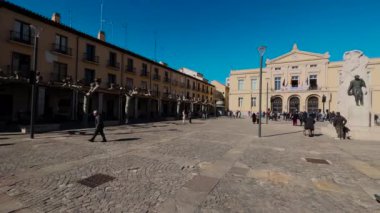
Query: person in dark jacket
[[189, 116], [253, 118], [339, 124], [295, 118], [309, 125], [99, 127]]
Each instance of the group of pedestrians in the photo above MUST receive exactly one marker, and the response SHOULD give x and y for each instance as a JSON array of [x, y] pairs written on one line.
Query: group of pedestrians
[[308, 121]]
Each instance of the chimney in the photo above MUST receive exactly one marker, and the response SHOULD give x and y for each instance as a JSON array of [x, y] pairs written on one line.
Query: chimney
[[102, 36], [56, 17]]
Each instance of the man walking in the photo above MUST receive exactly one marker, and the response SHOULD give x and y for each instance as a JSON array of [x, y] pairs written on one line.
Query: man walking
[[339, 124], [99, 126], [189, 116]]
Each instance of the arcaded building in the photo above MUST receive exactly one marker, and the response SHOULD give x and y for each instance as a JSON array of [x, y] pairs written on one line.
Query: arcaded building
[[297, 81], [67, 57]]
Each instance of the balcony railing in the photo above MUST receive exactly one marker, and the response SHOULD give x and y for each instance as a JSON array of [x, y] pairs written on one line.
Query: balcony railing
[[166, 95], [130, 69], [56, 47], [156, 77], [21, 37], [313, 87], [91, 58], [144, 73], [58, 76], [113, 64], [167, 80], [156, 93]]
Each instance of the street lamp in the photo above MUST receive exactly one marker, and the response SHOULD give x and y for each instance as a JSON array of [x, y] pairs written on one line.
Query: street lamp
[[267, 107], [33, 81], [261, 51]]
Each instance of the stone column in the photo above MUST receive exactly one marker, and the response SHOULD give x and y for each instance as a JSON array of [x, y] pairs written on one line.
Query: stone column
[[149, 108], [126, 109], [74, 105], [41, 101], [160, 108], [136, 115], [100, 102], [178, 106]]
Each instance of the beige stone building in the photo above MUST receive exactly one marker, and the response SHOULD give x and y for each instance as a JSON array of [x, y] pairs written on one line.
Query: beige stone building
[[221, 96], [66, 54], [297, 80]]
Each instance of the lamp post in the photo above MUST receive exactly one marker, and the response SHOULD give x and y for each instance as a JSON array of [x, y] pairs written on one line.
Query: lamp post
[[261, 50], [33, 80], [266, 115]]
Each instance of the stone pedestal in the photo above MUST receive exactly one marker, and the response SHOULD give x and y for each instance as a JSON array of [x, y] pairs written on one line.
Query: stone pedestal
[[358, 117]]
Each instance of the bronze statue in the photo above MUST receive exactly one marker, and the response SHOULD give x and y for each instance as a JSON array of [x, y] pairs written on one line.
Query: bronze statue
[[355, 89]]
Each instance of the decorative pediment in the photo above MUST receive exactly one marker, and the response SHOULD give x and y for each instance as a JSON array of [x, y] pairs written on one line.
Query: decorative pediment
[[297, 55]]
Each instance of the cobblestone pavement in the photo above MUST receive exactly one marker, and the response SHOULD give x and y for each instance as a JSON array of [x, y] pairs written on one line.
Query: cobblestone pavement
[[217, 165]]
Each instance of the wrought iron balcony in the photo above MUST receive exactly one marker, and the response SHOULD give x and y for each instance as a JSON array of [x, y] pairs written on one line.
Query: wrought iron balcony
[[113, 64], [25, 38], [59, 48], [91, 58], [58, 76], [167, 80], [144, 73], [130, 69]]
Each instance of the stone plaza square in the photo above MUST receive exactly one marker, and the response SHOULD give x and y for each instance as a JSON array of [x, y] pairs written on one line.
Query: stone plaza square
[[215, 165]]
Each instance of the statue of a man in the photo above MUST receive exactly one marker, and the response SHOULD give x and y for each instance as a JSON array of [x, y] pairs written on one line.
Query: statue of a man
[[355, 89]]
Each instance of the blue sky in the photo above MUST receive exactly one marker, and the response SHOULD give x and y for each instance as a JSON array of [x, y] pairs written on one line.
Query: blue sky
[[215, 36]]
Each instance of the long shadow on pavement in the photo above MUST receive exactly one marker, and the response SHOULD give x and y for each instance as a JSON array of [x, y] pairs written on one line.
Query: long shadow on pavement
[[127, 139], [287, 133]]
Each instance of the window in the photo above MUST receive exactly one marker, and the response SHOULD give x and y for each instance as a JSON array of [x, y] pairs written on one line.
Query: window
[[89, 76], [21, 32], [90, 53], [130, 66], [188, 83], [144, 70], [144, 85], [253, 84], [277, 83], [166, 90], [313, 82], [253, 101], [129, 83], [294, 67], [294, 81], [155, 89], [194, 85], [111, 79], [59, 72], [240, 102], [113, 59], [240, 84], [61, 44], [313, 65], [21, 63], [166, 76], [277, 68]]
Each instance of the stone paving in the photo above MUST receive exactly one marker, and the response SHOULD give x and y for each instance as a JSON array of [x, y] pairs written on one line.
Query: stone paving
[[217, 165]]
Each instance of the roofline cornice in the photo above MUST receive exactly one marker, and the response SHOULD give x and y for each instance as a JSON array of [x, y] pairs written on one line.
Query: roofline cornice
[[23, 11]]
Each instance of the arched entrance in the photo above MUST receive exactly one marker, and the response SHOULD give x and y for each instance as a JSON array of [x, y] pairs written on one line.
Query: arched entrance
[[294, 104], [312, 104], [277, 104]]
